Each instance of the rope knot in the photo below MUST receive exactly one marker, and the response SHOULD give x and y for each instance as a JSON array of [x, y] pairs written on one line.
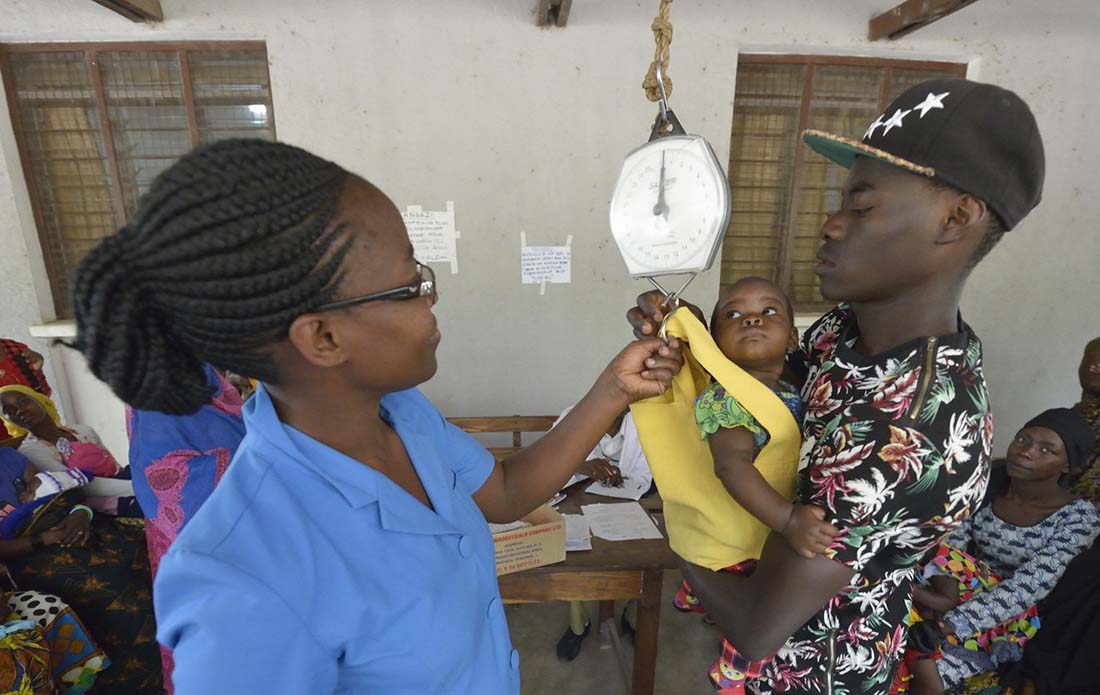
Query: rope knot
[[662, 36]]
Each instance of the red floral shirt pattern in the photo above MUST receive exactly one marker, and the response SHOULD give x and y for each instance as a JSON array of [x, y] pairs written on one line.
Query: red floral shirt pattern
[[896, 448]]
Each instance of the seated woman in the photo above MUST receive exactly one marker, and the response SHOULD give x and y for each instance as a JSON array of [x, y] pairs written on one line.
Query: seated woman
[[1086, 481], [96, 564], [176, 461], [1009, 555], [50, 446]]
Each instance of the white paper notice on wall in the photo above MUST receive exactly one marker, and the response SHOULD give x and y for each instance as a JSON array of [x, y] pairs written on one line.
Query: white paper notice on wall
[[433, 234], [542, 264]]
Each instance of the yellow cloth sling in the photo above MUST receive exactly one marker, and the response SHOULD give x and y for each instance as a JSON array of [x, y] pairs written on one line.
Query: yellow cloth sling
[[705, 526]]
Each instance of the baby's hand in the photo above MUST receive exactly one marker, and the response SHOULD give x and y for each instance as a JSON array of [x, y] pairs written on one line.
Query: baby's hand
[[807, 531]]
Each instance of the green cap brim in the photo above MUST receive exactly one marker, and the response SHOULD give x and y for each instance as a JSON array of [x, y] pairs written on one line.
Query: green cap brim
[[844, 151]]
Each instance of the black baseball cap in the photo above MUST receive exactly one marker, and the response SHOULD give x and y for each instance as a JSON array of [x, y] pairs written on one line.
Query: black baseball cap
[[979, 138]]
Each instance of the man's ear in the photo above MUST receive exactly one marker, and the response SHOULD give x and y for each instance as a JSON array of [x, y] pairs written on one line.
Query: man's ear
[[316, 337], [965, 216]]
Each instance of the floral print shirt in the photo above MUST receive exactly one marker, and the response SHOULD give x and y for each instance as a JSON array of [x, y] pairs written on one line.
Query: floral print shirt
[[896, 449]]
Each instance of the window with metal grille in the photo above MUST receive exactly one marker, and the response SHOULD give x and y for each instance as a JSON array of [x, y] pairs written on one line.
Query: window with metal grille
[[96, 123], [782, 191]]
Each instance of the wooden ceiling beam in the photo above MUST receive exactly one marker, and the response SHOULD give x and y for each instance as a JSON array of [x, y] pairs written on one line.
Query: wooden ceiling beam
[[135, 10], [911, 15], [553, 13]]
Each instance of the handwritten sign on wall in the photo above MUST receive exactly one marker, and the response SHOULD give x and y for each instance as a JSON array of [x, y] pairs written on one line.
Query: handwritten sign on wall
[[546, 264], [433, 234], [542, 264]]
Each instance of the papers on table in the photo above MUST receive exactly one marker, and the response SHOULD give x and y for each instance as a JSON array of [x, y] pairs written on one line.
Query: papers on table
[[623, 521], [577, 533], [632, 489], [501, 528]]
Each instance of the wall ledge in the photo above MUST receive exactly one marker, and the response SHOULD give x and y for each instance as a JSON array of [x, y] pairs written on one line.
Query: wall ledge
[[55, 329]]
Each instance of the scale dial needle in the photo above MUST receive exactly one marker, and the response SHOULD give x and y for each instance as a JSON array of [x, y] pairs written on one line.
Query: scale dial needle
[[661, 208]]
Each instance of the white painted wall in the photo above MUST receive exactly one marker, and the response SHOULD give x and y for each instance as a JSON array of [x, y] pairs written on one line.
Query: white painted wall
[[524, 128]]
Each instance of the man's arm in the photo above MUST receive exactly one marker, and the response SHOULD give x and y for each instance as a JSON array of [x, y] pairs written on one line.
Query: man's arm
[[759, 613]]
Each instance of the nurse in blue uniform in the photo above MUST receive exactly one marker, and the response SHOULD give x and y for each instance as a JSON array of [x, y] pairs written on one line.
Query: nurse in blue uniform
[[346, 548]]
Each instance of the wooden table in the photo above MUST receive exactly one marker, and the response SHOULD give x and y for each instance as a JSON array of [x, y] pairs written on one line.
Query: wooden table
[[612, 570]]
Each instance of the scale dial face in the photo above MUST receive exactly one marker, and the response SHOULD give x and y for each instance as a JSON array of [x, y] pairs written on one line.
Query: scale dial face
[[670, 207]]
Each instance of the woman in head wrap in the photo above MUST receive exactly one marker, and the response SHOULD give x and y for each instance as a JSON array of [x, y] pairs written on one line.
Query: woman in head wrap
[[1086, 481], [1008, 556], [21, 365], [52, 447]]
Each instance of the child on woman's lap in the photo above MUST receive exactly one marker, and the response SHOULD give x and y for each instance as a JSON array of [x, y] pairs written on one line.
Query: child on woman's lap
[[753, 325]]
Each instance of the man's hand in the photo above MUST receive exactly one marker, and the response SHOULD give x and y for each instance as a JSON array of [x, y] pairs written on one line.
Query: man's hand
[[646, 317], [807, 532], [603, 471]]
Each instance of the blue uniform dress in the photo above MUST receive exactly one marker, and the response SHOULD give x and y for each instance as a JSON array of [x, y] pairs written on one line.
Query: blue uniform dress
[[308, 572]]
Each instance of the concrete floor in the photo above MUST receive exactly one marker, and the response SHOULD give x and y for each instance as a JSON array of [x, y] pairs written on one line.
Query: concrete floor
[[686, 647]]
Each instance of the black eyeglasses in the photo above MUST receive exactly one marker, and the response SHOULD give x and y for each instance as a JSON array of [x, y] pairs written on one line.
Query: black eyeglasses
[[423, 287]]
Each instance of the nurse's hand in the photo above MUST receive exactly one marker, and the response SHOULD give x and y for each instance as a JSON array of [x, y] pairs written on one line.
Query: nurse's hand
[[646, 317], [643, 369]]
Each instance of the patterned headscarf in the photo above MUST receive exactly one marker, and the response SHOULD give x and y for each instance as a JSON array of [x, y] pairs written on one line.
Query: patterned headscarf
[[48, 405]]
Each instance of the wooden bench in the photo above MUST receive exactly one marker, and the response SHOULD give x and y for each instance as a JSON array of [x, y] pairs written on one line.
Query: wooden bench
[[516, 424]]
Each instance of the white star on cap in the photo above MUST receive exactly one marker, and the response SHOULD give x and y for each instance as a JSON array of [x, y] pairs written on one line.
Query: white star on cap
[[895, 120], [932, 101], [874, 126]]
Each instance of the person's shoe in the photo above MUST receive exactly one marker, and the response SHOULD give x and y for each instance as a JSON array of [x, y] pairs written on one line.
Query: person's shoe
[[569, 646], [625, 627]]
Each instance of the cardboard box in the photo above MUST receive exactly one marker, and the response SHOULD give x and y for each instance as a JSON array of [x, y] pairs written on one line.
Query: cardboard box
[[541, 543]]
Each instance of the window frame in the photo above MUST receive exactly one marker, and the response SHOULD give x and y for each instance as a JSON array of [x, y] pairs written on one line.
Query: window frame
[[782, 268], [182, 49]]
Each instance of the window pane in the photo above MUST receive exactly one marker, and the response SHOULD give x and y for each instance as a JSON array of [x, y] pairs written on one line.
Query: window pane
[[845, 99], [765, 128], [902, 79], [144, 94], [54, 104], [232, 95]]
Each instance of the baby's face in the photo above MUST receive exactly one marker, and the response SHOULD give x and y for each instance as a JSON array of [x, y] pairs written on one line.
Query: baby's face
[[30, 486], [753, 326]]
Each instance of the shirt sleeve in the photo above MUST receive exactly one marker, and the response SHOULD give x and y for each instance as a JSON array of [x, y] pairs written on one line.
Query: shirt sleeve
[[470, 461], [1033, 580], [716, 409], [45, 458], [885, 517], [42, 455], [230, 633]]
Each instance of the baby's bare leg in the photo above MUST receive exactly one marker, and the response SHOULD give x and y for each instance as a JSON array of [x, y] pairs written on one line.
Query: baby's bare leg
[[926, 678]]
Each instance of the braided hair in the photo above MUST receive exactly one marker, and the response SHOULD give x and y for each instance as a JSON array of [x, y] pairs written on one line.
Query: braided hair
[[229, 245]]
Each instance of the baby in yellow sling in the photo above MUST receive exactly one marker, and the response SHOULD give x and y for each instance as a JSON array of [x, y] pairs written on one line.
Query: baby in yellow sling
[[723, 444]]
